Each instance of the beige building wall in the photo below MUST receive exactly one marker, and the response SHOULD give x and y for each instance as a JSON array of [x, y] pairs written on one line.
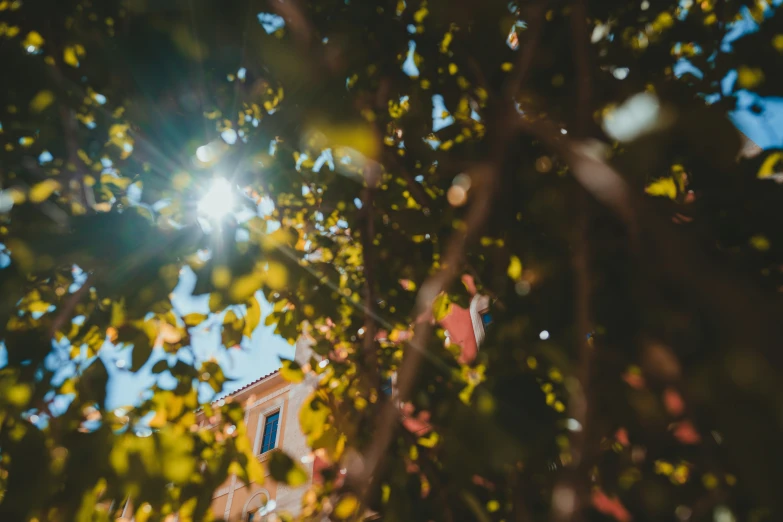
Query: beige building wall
[[268, 395]]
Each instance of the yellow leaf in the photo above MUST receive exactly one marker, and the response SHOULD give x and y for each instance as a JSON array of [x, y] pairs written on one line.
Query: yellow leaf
[[119, 182], [43, 190], [291, 371], [768, 168], [26, 141], [420, 15], [515, 268], [276, 276], [38, 306], [252, 316], [441, 307], [662, 187], [33, 41], [255, 472], [296, 476], [18, 395], [760, 242], [68, 387], [69, 57], [444, 44], [430, 441], [709, 480], [748, 77], [159, 420], [346, 507], [194, 319], [221, 277]]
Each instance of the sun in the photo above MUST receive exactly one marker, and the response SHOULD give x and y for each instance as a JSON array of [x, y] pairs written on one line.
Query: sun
[[219, 200]]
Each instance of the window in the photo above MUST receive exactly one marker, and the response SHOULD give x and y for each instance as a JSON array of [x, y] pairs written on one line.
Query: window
[[486, 319], [386, 386], [270, 432], [258, 507]]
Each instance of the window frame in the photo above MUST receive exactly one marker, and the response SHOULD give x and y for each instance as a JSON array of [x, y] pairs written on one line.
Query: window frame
[[266, 416], [247, 514], [262, 408]]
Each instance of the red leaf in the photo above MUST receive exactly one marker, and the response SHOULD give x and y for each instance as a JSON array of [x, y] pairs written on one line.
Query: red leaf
[[686, 433], [673, 402], [610, 506]]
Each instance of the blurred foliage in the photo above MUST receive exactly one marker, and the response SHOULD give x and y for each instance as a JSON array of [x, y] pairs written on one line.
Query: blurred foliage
[[349, 130]]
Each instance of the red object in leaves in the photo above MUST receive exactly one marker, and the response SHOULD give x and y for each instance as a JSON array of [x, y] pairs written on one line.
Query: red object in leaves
[[610, 506], [459, 324], [634, 380], [686, 433], [673, 402], [319, 465]]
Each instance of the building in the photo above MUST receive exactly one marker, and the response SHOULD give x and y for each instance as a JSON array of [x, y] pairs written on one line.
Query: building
[[272, 407], [272, 419]]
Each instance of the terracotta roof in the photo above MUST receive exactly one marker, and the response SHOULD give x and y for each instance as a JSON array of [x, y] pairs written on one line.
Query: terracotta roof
[[246, 386]]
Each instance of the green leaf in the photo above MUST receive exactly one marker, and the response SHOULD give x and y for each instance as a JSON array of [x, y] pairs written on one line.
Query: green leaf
[[283, 469], [291, 371]]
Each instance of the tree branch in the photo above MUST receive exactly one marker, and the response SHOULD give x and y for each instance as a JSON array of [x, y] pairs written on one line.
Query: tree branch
[[501, 124], [574, 481], [370, 358]]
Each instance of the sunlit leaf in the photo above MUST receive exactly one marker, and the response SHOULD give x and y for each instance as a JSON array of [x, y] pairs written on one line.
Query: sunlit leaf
[[291, 371], [346, 507], [441, 307], [514, 268], [41, 191], [194, 319], [663, 187], [41, 101]]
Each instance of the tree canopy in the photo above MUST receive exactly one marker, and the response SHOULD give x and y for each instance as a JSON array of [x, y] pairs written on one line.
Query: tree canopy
[[573, 157]]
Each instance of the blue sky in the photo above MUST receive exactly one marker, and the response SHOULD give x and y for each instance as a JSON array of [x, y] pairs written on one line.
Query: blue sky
[[766, 128], [257, 356]]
